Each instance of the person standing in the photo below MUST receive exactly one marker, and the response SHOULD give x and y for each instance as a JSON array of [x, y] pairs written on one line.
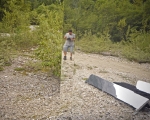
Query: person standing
[[69, 43]]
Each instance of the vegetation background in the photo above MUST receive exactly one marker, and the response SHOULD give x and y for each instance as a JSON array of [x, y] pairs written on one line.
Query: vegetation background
[[45, 17], [116, 27]]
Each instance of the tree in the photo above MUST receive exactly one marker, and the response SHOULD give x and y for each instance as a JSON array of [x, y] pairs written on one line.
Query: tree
[[16, 14]]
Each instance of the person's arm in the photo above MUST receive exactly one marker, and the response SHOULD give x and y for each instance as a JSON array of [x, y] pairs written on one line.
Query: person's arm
[[73, 39], [65, 36]]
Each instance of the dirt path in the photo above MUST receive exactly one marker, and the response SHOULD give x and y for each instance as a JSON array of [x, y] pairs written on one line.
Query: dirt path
[[87, 102], [30, 97], [113, 66]]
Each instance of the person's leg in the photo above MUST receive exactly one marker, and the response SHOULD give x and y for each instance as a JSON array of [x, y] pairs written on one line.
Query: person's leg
[[65, 53], [65, 49], [70, 56], [71, 51]]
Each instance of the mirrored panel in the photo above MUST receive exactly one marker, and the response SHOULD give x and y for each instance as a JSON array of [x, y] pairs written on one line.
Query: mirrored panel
[[143, 86], [129, 97], [134, 89]]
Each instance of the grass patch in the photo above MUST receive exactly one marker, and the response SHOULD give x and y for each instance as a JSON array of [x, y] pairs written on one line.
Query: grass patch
[[89, 68], [84, 78], [24, 73], [7, 63], [35, 66], [74, 71], [95, 66], [123, 76], [19, 69], [76, 66], [65, 106], [1, 68], [28, 55], [103, 71], [136, 55], [93, 44], [137, 49]]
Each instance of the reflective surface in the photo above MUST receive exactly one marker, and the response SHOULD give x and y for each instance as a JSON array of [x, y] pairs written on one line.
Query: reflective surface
[[119, 92], [134, 89], [143, 86], [128, 96]]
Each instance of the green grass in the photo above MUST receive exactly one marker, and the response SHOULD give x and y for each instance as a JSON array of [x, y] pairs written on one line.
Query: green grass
[[1, 68], [19, 69], [103, 71], [97, 45], [34, 66], [84, 78], [46, 37], [137, 49], [31, 66], [7, 63]]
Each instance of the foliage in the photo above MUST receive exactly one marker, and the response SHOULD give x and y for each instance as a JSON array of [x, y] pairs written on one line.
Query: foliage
[[106, 17], [16, 15], [5, 48], [50, 30], [46, 36], [136, 49], [15, 33]]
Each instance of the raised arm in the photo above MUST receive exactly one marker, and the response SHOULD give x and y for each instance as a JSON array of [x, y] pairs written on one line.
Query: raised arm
[[73, 37], [65, 36]]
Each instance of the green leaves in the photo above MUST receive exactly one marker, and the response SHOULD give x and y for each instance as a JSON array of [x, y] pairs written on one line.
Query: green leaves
[[46, 37], [102, 25], [16, 15], [103, 16], [50, 37]]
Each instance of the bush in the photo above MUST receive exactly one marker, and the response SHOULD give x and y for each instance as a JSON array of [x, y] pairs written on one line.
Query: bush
[[47, 37], [137, 49], [50, 37]]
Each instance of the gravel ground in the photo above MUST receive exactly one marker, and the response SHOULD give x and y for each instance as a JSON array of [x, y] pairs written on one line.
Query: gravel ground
[[89, 103], [26, 95], [34, 97]]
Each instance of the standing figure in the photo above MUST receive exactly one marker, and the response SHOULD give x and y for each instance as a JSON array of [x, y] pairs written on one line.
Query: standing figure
[[70, 38]]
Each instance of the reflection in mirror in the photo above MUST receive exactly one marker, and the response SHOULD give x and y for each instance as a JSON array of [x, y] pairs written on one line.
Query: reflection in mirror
[[101, 28], [129, 97]]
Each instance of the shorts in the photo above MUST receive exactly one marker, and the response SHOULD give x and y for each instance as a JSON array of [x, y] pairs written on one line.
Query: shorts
[[65, 48]]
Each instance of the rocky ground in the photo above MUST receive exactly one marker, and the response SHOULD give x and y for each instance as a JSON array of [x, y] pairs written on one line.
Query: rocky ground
[[89, 103], [35, 96], [23, 94]]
